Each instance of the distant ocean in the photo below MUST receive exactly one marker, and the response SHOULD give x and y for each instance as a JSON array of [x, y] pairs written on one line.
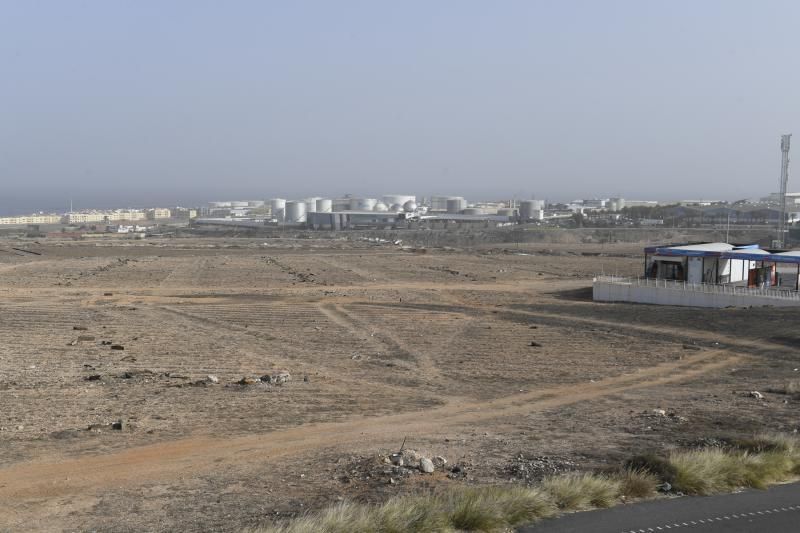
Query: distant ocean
[[13, 205]]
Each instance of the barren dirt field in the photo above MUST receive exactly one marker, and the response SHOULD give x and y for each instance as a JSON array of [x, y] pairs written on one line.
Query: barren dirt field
[[493, 357]]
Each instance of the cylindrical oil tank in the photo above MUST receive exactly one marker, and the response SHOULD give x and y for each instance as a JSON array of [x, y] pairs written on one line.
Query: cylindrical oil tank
[[410, 206], [278, 208], [396, 208], [295, 212], [528, 209], [380, 207], [391, 199], [311, 204], [362, 204], [324, 205], [472, 211], [456, 204], [619, 203]]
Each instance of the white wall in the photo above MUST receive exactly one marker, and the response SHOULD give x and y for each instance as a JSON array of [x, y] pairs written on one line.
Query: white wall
[[616, 292]]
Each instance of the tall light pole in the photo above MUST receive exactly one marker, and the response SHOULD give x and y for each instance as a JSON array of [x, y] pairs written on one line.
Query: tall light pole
[[785, 141]]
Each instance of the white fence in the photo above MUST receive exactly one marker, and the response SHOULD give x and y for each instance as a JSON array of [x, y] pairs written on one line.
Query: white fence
[[670, 292]]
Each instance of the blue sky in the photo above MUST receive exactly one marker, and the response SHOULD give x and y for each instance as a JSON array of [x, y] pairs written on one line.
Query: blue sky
[[136, 101]]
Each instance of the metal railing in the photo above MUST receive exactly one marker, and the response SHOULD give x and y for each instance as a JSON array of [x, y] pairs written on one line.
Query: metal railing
[[708, 288]]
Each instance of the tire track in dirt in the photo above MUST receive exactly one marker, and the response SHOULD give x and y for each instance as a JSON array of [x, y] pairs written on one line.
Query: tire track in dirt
[[192, 456], [671, 333], [338, 315]]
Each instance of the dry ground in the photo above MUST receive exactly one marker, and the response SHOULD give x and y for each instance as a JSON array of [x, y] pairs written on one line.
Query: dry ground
[[383, 345]]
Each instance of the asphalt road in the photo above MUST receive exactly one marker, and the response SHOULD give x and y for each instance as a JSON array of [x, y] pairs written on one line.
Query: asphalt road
[[775, 510]]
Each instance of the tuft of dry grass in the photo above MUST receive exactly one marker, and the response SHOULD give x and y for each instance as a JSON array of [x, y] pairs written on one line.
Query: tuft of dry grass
[[580, 491], [638, 483]]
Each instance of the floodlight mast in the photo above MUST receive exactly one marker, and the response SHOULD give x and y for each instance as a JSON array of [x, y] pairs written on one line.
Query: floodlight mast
[[785, 142]]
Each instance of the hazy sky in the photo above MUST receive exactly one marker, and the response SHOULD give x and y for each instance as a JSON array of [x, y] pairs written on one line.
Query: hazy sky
[[126, 102]]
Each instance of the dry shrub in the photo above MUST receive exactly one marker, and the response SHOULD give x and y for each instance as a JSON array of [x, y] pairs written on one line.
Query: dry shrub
[[638, 483], [579, 491], [654, 464], [412, 514]]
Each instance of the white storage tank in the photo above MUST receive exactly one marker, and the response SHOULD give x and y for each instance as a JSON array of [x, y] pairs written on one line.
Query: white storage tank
[[506, 212], [380, 207], [400, 199], [362, 204], [311, 204], [295, 212], [396, 208], [324, 205], [473, 211], [456, 204], [278, 208], [410, 206], [529, 209]]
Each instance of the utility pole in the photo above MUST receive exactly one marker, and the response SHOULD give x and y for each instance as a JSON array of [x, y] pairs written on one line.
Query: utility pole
[[728, 229], [785, 140]]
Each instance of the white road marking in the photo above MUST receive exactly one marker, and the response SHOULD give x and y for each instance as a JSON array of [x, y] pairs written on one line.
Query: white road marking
[[717, 519]]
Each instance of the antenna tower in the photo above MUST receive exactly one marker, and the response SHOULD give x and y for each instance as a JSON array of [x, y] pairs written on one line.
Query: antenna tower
[[785, 141]]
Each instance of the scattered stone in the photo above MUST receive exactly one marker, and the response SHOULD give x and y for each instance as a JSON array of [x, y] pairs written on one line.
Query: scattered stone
[[85, 338], [411, 458], [533, 468], [129, 359], [117, 425], [690, 347], [80, 328], [659, 412], [397, 459], [535, 344], [664, 487], [276, 379], [439, 461], [757, 395], [426, 465], [93, 377], [20, 427], [247, 381], [117, 347], [305, 378], [106, 343], [108, 294], [212, 378], [72, 343]]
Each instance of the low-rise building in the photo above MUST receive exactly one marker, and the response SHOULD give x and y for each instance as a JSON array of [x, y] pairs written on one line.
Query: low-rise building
[[158, 212], [712, 274], [31, 219]]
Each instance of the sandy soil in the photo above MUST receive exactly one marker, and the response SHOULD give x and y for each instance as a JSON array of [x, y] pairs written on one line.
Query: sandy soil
[[383, 345]]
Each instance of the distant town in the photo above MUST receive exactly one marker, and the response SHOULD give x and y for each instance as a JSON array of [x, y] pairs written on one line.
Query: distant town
[[400, 211]]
